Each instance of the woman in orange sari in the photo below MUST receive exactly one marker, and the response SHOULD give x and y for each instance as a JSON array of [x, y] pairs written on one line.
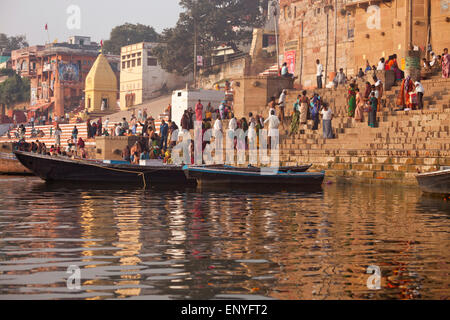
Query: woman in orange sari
[[403, 99], [359, 112]]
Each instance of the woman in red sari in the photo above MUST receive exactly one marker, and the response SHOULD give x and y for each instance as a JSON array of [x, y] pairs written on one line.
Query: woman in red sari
[[403, 99]]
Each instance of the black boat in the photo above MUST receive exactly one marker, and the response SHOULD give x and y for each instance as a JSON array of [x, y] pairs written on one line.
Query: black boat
[[437, 182], [59, 168], [251, 168], [233, 176]]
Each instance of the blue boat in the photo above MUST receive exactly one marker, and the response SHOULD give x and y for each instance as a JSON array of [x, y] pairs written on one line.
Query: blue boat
[[233, 176]]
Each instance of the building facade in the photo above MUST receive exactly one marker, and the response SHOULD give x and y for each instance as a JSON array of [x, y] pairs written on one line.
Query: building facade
[[141, 76], [348, 33], [57, 74]]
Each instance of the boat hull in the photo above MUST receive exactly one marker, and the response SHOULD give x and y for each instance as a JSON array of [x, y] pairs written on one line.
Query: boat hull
[[234, 177], [437, 182], [55, 168]]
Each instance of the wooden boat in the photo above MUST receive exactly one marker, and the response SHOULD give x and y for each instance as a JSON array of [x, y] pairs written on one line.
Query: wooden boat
[[251, 168], [59, 168], [437, 182], [262, 176]]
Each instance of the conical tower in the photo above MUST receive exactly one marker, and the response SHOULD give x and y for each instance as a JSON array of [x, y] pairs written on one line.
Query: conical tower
[[101, 87]]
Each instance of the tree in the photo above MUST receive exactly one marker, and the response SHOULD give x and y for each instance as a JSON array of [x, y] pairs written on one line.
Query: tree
[[217, 22], [12, 43], [14, 89], [129, 33]]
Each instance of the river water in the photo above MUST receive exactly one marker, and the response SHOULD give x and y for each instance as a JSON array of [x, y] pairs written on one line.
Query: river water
[[221, 244]]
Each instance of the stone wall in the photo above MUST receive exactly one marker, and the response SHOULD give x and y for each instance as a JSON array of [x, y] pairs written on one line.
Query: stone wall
[[110, 148], [366, 31], [225, 71], [252, 94]]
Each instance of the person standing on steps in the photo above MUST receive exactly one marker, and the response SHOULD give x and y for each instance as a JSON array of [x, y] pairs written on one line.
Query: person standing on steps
[[373, 110], [359, 111], [327, 116], [58, 133], [445, 64], [282, 104], [319, 71], [304, 102], [272, 105], [351, 100], [314, 110], [419, 91]]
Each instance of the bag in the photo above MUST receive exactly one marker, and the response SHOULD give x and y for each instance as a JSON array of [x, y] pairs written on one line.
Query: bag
[[413, 98]]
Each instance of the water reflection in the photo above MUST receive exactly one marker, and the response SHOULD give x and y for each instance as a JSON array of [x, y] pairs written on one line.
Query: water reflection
[[217, 244]]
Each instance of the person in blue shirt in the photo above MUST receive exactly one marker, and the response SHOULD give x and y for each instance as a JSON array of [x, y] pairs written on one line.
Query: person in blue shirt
[[164, 132], [285, 72]]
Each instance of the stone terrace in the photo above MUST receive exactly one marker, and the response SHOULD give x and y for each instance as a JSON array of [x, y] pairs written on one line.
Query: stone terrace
[[404, 143]]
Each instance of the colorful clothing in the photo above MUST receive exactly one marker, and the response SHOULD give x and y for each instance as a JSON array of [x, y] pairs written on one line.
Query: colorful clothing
[[359, 111], [351, 102], [295, 118], [373, 111], [314, 111], [403, 98], [446, 65], [304, 109]]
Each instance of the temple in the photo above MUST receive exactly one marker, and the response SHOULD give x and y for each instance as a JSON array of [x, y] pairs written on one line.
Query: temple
[[101, 87]]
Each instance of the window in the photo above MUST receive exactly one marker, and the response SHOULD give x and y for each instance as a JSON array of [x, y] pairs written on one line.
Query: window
[[152, 62], [124, 57], [128, 56], [139, 62], [133, 63], [128, 64], [133, 55], [138, 54], [123, 65]]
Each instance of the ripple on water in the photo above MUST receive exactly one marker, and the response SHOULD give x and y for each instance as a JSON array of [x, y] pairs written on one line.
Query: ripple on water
[[189, 244]]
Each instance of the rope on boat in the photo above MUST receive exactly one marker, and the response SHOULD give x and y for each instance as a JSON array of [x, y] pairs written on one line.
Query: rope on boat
[[142, 174]]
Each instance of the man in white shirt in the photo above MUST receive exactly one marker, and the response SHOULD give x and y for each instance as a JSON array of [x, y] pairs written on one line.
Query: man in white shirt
[[327, 115], [319, 72], [380, 66], [217, 126], [106, 124], [273, 122], [233, 123], [433, 59], [420, 91], [118, 130], [282, 103]]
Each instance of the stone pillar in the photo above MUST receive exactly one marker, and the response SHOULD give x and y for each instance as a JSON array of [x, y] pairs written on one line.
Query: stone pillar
[[412, 67], [59, 101]]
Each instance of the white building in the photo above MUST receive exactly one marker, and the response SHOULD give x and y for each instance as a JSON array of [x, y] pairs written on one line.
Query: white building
[[142, 77], [183, 99]]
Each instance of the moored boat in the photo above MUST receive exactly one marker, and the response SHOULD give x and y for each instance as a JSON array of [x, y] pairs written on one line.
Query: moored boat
[[234, 176], [59, 168], [436, 182]]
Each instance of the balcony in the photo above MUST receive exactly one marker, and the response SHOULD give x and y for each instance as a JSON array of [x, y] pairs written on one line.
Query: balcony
[[363, 3]]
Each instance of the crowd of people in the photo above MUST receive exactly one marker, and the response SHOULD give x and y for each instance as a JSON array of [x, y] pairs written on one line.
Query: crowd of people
[[157, 145], [73, 149]]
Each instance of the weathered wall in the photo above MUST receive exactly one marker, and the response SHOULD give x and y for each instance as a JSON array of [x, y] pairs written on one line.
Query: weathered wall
[[225, 71], [366, 30], [251, 94], [110, 148]]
